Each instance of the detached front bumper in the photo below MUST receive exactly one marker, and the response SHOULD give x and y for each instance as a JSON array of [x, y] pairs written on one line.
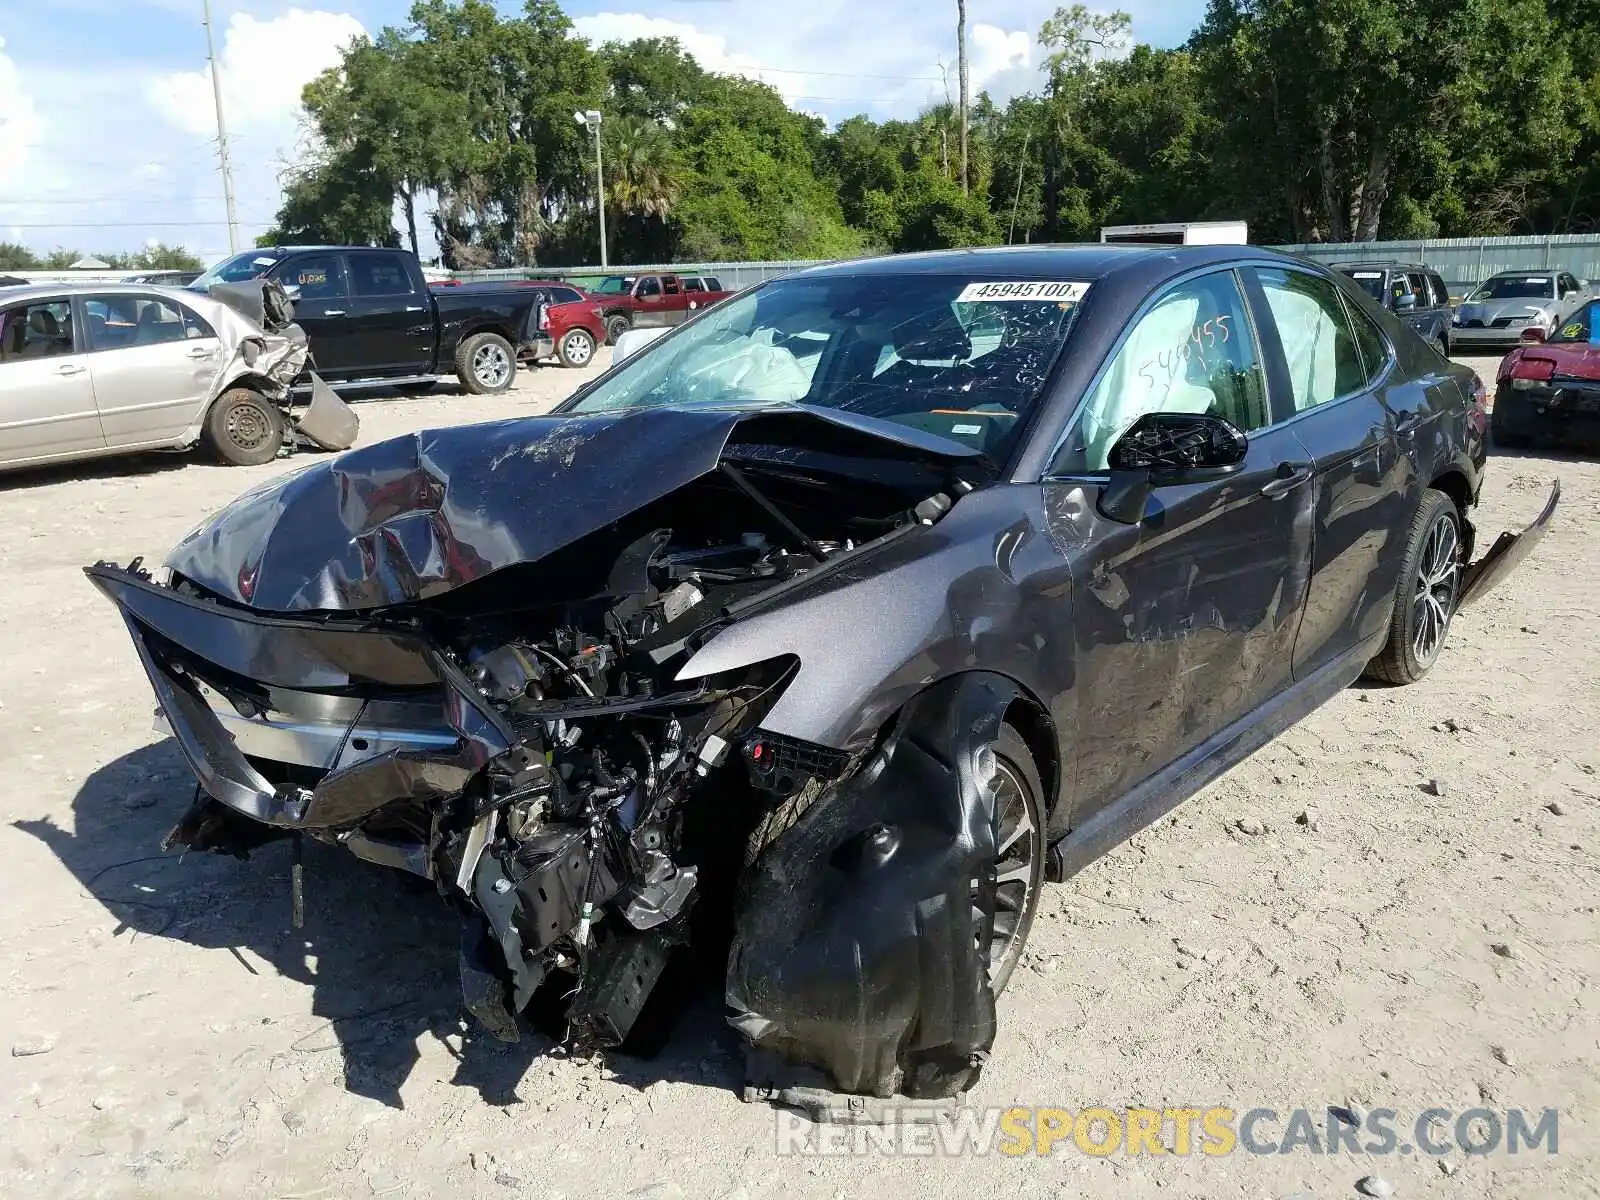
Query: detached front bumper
[[203, 657]]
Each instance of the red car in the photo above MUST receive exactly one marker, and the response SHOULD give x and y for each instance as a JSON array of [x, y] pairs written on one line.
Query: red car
[[1549, 388], [569, 325]]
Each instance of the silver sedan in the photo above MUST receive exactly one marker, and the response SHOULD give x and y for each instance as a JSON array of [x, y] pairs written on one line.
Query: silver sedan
[[90, 370]]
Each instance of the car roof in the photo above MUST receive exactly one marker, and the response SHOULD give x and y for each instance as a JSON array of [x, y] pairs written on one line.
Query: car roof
[[1086, 263], [46, 291]]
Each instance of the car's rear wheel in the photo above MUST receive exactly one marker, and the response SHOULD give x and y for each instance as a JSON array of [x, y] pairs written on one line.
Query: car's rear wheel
[[1004, 902], [485, 363], [616, 326], [1425, 599], [244, 428], [576, 349]]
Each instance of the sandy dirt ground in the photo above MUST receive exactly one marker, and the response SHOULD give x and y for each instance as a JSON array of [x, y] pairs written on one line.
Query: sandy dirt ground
[[165, 1033]]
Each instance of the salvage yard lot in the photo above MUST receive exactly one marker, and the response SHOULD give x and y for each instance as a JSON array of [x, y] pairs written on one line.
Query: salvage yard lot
[[166, 1033]]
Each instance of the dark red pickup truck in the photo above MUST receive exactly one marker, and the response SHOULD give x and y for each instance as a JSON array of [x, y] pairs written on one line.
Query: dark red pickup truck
[[647, 301]]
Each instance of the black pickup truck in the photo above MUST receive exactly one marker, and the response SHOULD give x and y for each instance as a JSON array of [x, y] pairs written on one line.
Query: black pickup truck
[[372, 319]]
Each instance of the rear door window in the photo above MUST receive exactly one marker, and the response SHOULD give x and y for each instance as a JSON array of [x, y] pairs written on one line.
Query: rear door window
[[379, 275], [1441, 294], [1318, 345], [1419, 287], [39, 330]]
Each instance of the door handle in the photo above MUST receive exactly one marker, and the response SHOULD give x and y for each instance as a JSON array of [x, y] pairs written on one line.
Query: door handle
[[1290, 476], [415, 308], [71, 369], [199, 352], [333, 312]]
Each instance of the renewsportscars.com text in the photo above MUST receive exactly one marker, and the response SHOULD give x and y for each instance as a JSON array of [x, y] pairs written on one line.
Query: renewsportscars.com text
[[1213, 1132]]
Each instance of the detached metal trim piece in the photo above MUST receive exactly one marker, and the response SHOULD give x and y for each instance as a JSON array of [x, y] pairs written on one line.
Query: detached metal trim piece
[[1506, 554]]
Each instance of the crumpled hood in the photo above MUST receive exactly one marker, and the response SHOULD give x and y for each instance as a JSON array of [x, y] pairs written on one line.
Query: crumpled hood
[[420, 515]]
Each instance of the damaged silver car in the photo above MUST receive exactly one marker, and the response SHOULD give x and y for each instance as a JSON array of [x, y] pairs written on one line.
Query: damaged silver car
[[92, 370], [821, 632]]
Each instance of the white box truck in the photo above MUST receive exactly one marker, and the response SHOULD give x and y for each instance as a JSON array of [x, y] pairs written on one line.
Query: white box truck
[[1181, 233]]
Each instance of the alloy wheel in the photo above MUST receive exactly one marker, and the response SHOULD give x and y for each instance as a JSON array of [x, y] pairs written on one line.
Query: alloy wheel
[[1438, 578], [1003, 903], [491, 366], [579, 348]]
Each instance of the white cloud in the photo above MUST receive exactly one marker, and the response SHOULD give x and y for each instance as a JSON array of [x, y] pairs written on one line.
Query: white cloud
[[20, 127], [710, 50], [819, 63], [1001, 62], [265, 65]]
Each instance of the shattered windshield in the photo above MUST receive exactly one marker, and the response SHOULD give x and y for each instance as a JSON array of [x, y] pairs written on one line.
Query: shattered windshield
[[1516, 287], [964, 357], [250, 265]]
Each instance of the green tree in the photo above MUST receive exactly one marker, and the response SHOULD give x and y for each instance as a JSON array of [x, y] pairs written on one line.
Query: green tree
[[17, 258]]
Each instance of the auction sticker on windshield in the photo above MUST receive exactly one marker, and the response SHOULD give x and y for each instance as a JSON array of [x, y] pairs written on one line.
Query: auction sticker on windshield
[[1023, 289]]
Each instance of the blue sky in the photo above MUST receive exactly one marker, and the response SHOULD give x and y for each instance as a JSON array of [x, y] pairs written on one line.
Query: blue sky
[[107, 126]]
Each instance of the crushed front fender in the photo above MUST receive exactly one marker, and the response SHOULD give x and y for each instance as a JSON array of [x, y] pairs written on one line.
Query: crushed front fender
[[856, 955]]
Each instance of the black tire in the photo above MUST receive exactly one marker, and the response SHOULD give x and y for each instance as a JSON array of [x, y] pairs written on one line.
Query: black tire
[[576, 348], [617, 324], [1425, 598], [244, 428], [486, 364], [1015, 909], [420, 388]]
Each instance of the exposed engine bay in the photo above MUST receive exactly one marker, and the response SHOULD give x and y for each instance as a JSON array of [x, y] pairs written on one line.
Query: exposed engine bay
[[532, 738]]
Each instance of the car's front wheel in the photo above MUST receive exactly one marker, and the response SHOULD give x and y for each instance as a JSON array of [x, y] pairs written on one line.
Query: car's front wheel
[[1425, 598], [576, 349], [616, 325], [1004, 904], [244, 428]]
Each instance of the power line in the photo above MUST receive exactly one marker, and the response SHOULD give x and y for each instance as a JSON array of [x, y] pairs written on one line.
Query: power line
[[132, 224], [117, 200]]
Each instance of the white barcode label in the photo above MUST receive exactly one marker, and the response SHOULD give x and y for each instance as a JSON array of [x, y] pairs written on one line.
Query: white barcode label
[[1023, 289]]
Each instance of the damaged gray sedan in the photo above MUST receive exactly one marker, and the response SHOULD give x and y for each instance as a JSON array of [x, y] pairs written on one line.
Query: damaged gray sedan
[[820, 633], [91, 370]]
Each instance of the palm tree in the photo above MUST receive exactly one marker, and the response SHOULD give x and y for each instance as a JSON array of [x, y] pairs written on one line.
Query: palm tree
[[642, 174]]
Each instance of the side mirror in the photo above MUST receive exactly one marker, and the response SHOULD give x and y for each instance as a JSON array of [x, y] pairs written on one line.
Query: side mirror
[[1532, 334], [1406, 303], [1163, 449]]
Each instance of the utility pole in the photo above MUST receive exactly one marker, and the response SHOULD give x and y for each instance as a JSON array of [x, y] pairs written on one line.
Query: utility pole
[[961, 39], [222, 135], [591, 117], [1022, 165]]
